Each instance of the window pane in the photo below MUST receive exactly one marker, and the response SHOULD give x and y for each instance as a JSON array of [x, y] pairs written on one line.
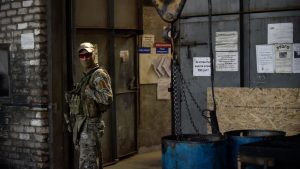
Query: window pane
[[4, 85]]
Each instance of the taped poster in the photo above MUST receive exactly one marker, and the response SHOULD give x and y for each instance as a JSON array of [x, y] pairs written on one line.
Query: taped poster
[[227, 37], [283, 58], [296, 66], [280, 33], [265, 58], [201, 66], [227, 47], [124, 56], [148, 40], [27, 41], [147, 63], [163, 86], [227, 61]]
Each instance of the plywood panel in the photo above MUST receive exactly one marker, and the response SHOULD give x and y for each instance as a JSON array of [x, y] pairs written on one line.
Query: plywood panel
[[258, 108]]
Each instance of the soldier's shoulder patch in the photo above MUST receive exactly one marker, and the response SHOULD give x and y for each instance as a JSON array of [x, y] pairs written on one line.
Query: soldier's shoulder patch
[[100, 73]]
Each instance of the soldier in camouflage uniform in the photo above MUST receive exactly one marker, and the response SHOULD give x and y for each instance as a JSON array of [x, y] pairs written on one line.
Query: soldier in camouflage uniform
[[90, 98]]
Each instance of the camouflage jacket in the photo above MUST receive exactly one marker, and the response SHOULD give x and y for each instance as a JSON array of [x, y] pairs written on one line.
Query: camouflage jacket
[[95, 98]]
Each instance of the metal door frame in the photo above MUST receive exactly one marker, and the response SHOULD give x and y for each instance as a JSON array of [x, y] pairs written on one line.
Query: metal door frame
[[59, 147], [111, 53]]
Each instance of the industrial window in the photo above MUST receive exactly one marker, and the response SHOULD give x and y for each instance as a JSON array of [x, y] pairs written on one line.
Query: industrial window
[[4, 71]]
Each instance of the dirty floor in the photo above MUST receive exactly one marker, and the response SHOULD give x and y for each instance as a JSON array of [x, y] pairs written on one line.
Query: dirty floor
[[151, 160]]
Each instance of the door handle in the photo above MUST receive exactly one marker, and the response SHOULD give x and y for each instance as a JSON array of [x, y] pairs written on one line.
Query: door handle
[[132, 84]]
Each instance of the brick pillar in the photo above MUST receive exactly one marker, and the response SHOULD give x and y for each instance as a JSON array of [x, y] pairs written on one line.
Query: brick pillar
[[24, 115]]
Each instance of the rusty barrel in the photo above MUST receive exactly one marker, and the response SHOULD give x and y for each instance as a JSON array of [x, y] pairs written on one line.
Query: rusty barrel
[[194, 152], [240, 137]]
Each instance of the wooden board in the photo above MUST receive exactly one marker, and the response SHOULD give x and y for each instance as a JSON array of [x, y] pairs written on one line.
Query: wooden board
[[257, 108]]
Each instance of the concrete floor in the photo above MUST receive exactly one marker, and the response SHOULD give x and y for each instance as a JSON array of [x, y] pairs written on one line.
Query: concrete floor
[[151, 160]]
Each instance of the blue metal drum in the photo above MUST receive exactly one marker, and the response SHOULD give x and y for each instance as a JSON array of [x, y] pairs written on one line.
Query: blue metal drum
[[239, 137], [194, 152]]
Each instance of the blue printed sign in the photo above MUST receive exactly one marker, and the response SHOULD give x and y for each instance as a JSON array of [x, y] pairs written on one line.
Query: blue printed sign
[[162, 50], [144, 50]]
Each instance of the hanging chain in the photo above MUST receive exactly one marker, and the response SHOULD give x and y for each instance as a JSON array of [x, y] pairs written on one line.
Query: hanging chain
[[180, 87], [176, 98], [185, 86], [188, 110]]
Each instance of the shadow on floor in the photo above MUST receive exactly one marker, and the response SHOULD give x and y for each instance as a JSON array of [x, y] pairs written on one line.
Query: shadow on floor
[[151, 160]]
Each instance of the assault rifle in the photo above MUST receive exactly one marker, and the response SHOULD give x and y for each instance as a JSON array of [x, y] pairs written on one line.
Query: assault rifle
[[70, 117]]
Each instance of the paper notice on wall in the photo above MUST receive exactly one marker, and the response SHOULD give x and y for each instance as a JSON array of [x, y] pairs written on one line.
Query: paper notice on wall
[[201, 66], [150, 67], [155, 65], [167, 66], [283, 58], [296, 61], [162, 66], [148, 40], [265, 58], [227, 47], [227, 37], [124, 56], [163, 86], [227, 61], [280, 33], [27, 41]]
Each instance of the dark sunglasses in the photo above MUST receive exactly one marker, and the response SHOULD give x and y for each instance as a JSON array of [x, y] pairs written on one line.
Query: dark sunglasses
[[86, 55]]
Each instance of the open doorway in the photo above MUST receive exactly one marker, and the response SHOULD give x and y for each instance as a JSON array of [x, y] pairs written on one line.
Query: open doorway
[[113, 27]]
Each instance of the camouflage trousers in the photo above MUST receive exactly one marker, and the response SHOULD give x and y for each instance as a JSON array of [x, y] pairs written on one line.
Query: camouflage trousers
[[90, 153]]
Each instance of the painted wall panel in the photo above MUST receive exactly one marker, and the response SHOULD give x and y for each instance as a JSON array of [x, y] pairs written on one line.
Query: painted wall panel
[[126, 14], [91, 14], [194, 38], [258, 34], [197, 7], [267, 5], [252, 28]]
